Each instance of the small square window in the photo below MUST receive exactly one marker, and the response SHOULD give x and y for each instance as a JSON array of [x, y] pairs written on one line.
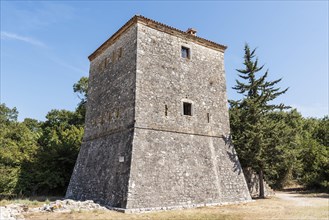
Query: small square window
[[185, 52], [187, 108]]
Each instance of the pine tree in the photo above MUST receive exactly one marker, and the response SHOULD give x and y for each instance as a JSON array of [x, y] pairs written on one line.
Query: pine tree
[[252, 131]]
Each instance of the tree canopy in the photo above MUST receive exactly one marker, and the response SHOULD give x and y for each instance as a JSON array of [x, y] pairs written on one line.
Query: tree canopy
[[38, 157], [256, 132], [271, 141]]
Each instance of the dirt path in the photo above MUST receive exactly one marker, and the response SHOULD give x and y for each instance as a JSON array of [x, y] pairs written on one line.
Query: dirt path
[[304, 199]]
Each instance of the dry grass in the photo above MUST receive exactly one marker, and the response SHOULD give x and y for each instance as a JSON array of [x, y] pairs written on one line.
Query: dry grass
[[31, 202], [283, 206], [28, 202]]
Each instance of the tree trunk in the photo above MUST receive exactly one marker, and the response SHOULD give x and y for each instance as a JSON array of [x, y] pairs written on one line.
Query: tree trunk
[[261, 184]]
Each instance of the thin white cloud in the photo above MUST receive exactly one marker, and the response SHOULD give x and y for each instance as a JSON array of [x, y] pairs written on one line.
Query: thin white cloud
[[69, 66], [48, 54], [13, 36], [30, 15]]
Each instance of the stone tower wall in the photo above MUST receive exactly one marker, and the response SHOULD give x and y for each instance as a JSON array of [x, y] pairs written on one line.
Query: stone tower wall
[[111, 94], [165, 78], [139, 150], [180, 160], [98, 173], [173, 169]]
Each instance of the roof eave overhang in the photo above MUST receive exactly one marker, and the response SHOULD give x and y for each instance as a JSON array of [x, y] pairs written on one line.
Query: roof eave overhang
[[157, 26]]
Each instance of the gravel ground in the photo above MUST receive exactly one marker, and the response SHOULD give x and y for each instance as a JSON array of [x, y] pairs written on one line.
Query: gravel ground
[[299, 199]]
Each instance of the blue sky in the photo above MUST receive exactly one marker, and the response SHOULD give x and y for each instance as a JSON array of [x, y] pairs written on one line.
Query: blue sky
[[45, 45]]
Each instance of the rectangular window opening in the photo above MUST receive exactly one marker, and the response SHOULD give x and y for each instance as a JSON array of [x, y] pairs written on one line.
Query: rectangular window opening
[[120, 52], [187, 108], [107, 62], [166, 110], [104, 63], [113, 57], [208, 117], [185, 52]]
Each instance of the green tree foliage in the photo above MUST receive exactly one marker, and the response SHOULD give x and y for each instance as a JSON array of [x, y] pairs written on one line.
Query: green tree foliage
[[298, 150], [7, 115], [321, 133], [18, 145], [81, 89], [255, 129], [284, 145], [59, 146], [38, 157], [314, 155], [282, 164]]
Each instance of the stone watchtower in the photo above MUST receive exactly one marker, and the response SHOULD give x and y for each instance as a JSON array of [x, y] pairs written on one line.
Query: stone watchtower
[[156, 123]]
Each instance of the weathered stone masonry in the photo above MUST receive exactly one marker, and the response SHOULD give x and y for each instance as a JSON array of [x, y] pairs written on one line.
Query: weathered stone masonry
[[140, 150]]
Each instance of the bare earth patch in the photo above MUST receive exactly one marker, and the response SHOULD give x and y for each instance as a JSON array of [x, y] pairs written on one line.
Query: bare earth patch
[[284, 205]]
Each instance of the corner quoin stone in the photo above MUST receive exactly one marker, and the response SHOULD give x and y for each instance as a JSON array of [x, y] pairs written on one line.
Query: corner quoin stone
[[141, 149]]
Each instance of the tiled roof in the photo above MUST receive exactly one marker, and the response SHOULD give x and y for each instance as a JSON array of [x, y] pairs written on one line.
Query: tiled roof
[[160, 27]]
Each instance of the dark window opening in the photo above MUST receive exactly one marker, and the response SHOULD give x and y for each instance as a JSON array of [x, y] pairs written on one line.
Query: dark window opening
[[120, 52], [208, 117], [166, 110], [113, 56], [186, 52], [104, 64], [107, 62], [187, 108]]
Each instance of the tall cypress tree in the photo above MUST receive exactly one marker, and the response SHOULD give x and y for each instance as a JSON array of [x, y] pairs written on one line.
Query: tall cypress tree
[[251, 128]]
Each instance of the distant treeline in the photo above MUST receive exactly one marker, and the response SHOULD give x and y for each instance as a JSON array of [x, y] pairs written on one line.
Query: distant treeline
[[297, 153], [37, 158], [280, 145]]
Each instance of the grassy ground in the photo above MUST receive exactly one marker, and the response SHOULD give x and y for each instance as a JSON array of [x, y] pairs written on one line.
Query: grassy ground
[[285, 205]]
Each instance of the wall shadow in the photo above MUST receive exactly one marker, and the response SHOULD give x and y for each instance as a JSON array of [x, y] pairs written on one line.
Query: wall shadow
[[232, 154]]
